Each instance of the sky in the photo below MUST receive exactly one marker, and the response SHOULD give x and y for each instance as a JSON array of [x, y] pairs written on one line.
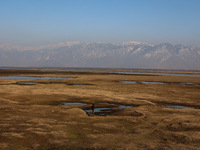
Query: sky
[[43, 22]]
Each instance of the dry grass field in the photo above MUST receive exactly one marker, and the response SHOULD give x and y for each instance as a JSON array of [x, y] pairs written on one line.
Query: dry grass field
[[33, 117]]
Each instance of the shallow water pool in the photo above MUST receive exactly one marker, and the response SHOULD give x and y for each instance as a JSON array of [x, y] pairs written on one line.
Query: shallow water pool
[[181, 107], [100, 111], [154, 82], [27, 83], [73, 103], [35, 78]]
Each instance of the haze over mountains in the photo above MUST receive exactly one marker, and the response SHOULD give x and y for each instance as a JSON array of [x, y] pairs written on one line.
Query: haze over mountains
[[104, 55]]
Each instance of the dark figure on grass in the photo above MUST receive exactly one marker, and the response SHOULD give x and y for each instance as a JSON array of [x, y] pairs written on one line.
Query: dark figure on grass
[[92, 109]]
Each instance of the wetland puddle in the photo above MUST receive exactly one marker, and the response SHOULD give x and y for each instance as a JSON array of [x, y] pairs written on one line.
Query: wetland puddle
[[181, 107], [35, 78], [122, 107], [73, 103], [100, 111], [33, 83], [27, 83], [149, 82]]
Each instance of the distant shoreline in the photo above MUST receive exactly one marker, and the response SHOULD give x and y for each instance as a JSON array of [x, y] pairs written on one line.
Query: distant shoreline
[[91, 68], [193, 73]]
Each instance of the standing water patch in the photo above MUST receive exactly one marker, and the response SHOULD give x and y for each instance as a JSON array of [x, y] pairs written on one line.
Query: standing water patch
[[27, 83], [35, 78], [128, 82], [181, 107], [147, 82], [100, 111], [73, 103], [122, 107], [154, 82]]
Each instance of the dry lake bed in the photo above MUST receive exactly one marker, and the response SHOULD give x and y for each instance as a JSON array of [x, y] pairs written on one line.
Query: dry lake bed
[[49, 109]]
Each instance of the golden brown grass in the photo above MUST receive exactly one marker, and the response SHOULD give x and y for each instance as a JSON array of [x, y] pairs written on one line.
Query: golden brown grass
[[31, 116]]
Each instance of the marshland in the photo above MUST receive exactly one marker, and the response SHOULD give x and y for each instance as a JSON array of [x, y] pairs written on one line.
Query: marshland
[[47, 109]]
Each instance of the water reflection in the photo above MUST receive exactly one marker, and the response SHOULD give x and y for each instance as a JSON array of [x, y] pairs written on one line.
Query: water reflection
[[154, 82], [122, 107], [147, 82], [73, 103], [33, 83], [129, 82], [27, 83], [100, 111], [35, 78], [181, 107]]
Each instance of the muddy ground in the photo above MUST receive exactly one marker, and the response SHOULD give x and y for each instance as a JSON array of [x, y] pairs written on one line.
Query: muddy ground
[[34, 117]]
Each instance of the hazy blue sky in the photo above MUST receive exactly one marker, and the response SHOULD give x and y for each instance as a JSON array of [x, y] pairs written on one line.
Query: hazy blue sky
[[40, 22]]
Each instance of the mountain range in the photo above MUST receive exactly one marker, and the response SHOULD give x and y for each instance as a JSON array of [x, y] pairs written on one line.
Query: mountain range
[[138, 55]]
